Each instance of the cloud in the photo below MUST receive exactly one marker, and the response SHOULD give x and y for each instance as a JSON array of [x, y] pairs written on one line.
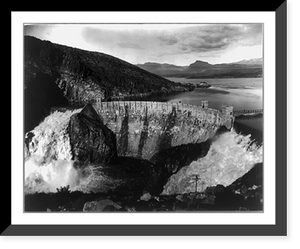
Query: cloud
[[95, 35], [129, 45], [168, 39], [213, 37], [39, 30]]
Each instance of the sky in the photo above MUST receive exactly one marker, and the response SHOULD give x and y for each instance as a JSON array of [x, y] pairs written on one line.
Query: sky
[[178, 44]]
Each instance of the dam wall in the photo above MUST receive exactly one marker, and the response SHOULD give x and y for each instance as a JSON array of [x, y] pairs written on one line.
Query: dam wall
[[144, 128]]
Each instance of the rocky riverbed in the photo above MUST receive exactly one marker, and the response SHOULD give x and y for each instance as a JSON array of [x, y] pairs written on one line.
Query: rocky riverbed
[[244, 194]]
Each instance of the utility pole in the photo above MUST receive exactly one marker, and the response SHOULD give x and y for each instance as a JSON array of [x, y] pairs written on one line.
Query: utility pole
[[196, 178]]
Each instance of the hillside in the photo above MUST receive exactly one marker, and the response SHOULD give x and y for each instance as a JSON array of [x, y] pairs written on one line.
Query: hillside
[[201, 69], [60, 75]]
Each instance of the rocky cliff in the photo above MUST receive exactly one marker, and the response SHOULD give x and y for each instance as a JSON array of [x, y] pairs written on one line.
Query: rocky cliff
[[58, 75], [91, 141]]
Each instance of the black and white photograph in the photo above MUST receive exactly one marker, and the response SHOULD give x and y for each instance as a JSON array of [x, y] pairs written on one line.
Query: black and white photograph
[[143, 117]]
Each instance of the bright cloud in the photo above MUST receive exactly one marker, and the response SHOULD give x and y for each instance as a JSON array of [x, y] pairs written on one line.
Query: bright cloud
[[179, 44]]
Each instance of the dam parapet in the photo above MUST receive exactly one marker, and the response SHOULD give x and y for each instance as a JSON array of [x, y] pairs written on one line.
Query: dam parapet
[[144, 128]]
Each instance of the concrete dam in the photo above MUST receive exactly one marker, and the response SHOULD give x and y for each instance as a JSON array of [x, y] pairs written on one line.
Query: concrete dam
[[144, 128]]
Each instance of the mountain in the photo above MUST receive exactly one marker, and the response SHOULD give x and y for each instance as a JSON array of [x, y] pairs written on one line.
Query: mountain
[[200, 64], [164, 69], [61, 75], [256, 61], [201, 69]]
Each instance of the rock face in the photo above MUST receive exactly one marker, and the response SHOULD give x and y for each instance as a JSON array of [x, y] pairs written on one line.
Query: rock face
[[56, 75], [91, 141], [171, 160], [250, 187], [99, 206]]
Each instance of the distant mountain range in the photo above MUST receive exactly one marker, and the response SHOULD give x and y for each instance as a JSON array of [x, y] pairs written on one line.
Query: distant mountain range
[[256, 61], [202, 69]]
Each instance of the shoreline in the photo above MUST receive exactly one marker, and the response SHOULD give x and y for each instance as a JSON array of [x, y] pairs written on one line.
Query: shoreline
[[138, 96]]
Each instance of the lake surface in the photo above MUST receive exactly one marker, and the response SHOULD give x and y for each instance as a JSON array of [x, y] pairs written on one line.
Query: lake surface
[[241, 93]]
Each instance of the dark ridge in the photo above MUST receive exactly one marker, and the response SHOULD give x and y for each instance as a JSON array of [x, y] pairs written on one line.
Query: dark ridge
[[90, 112]]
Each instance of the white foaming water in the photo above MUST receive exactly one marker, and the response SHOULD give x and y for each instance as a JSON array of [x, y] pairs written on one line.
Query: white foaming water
[[48, 163], [54, 174], [50, 176], [230, 156]]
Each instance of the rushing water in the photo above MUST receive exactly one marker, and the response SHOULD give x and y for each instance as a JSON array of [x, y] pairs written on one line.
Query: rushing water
[[230, 156]]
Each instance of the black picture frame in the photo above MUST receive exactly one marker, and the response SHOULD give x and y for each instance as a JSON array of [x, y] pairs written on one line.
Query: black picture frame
[[280, 226]]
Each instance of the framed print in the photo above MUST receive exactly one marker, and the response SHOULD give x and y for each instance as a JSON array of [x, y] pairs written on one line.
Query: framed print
[[135, 125]]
